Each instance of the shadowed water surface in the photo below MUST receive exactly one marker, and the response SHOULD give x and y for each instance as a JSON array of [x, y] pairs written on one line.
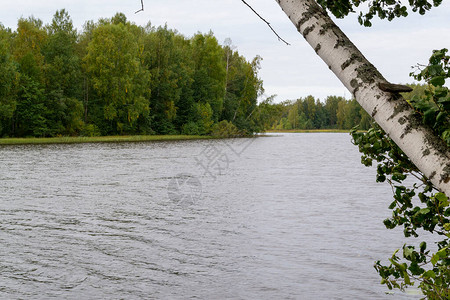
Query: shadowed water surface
[[295, 216]]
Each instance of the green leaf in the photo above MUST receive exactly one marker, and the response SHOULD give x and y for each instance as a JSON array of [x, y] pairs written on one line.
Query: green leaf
[[442, 198], [429, 115], [407, 279], [408, 251], [422, 211], [415, 269], [433, 70], [442, 253], [434, 259], [423, 246], [429, 274], [438, 81]]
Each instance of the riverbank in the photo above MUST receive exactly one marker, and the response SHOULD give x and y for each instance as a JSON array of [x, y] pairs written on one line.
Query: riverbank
[[137, 138], [99, 139], [308, 131]]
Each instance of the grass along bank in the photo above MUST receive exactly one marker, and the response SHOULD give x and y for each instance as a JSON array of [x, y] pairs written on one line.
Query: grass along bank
[[99, 139], [308, 130]]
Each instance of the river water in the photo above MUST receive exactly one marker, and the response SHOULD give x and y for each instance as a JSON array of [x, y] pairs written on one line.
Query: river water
[[291, 216]]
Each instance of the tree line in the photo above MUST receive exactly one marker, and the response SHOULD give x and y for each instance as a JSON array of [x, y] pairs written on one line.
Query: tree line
[[115, 77], [310, 113]]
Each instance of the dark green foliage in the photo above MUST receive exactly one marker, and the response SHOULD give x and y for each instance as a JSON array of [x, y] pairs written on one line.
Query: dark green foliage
[[119, 78], [434, 105], [309, 113], [416, 206], [384, 9], [9, 79], [225, 129]]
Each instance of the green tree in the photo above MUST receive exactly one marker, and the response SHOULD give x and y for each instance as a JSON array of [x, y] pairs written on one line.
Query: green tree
[[30, 117], [348, 114], [247, 97], [31, 114], [243, 87], [268, 113], [63, 65], [113, 62], [168, 57], [63, 76], [209, 72], [9, 81], [331, 106]]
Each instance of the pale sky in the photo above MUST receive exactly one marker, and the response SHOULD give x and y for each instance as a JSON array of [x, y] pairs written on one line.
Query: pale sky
[[287, 71]]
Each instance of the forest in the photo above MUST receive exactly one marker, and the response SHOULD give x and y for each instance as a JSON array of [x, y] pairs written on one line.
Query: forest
[[117, 78]]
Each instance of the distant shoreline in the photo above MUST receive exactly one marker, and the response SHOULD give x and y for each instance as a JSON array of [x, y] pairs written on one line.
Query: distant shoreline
[[139, 138], [308, 131], [100, 139]]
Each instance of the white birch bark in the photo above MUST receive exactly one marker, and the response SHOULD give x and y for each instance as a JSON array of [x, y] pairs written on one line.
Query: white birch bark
[[361, 78]]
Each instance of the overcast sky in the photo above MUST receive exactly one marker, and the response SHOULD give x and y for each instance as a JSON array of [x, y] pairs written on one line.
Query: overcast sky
[[287, 71]]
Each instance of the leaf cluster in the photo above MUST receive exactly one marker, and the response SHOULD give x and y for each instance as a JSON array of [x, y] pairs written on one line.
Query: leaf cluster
[[434, 106], [417, 205], [384, 9]]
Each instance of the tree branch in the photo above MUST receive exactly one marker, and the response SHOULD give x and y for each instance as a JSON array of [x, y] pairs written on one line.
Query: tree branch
[[254, 11], [268, 24], [142, 9]]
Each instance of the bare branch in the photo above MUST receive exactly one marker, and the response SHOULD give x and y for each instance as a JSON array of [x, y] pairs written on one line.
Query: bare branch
[[254, 11], [142, 9], [268, 24]]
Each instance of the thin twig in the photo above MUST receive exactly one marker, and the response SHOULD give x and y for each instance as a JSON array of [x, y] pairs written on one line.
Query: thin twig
[[142, 9], [268, 24], [254, 11]]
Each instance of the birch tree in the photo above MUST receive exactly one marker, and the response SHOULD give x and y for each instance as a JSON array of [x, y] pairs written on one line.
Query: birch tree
[[376, 95], [405, 124]]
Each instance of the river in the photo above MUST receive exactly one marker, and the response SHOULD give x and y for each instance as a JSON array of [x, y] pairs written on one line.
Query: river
[[290, 216]]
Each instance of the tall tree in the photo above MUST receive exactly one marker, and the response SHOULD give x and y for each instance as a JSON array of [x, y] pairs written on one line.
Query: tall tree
[[9, 81], [114, 64], [210, 72], [167, 56], [30, 117], [63, 76]]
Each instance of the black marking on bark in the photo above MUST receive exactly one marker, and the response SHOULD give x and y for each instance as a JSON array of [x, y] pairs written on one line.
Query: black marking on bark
[[355, 85], [434, 142], [399, 108], [340, 43], [326, 27], [374, 112], [408, 129], [354, 57], [318, 48], [445, 177], [308, 30], [367, 73], [432, 175], [402, 120], [307, 15], [426, 152]]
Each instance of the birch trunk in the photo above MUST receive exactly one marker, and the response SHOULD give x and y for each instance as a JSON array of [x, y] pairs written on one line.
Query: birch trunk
[[429, 153]]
